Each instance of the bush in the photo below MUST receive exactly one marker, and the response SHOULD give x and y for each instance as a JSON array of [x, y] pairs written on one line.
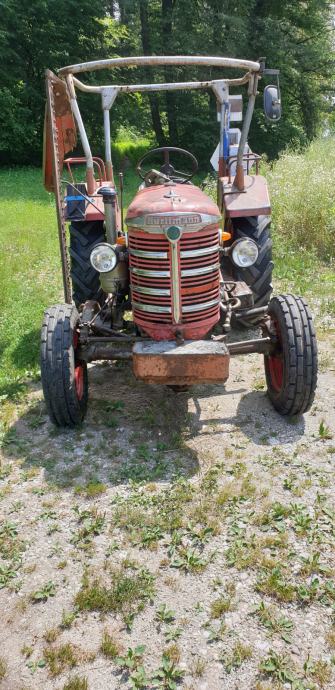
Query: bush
[[303, 198], [129, 146]]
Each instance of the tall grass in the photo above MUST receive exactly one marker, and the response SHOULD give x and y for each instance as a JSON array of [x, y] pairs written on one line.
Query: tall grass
[[302, 188]]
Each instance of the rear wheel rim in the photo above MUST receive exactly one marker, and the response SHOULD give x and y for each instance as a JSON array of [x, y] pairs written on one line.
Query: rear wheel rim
[[276, 362]]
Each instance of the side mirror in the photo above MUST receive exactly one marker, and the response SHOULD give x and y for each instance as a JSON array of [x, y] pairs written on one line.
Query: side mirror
[[272, 103]]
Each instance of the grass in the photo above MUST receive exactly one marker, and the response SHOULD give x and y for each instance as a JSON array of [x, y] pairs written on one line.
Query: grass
[[60, 657], [3, 668], [30, 274], [303, 198], [109, 646], [126, 592], [238, 655], [76, 683]]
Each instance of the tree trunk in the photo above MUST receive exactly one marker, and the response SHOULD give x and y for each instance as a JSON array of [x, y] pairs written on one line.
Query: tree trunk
[[171, 111], [153, 100]]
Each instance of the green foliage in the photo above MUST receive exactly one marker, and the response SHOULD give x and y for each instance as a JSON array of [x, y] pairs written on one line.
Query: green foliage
[[35, 36], [279, 667], [303, 199], [164, 614], [132, 658], [42, 594], [167, 675]]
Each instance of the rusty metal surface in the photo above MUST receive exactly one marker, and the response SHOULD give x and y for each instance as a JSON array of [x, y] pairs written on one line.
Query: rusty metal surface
[[165, 362], [60, 126], [254, 200], [247, 347], [186, 199], [152, 60], [56, 157], [172, 86]]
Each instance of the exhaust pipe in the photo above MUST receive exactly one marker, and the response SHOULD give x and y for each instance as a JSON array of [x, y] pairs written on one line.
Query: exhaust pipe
[[109, 199]]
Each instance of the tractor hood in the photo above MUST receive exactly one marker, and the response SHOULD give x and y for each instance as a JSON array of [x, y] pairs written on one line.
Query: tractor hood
[[172, 199]]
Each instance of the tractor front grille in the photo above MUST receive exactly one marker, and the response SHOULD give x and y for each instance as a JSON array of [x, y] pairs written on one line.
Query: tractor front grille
[[156, 289]]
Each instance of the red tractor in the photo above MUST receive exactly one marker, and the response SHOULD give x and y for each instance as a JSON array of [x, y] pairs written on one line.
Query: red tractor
[[187, 269]]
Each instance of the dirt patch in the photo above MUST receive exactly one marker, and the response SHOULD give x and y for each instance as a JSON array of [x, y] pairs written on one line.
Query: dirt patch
[[199, 525]]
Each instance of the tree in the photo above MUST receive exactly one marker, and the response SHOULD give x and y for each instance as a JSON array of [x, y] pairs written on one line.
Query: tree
[[295, 37], [34, 36]]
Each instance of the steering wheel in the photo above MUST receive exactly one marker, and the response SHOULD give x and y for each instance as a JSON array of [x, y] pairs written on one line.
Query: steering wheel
[[168, 169]]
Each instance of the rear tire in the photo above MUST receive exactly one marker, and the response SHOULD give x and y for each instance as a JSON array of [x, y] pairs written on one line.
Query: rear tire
[[258, 276], [84, 235], [291, 371], [64, 377]]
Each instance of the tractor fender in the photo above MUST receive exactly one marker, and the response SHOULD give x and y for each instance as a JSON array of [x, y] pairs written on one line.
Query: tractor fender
[[254, 200]]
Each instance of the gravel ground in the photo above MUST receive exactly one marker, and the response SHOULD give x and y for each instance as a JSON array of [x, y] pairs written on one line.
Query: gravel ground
[[214, 515]]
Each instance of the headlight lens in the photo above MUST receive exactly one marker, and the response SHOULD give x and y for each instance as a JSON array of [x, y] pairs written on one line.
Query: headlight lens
[[244, 253], [103, 258]]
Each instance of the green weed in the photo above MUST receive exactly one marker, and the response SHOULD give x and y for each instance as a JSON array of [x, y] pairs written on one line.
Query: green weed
[[274, 621], [279, 667], [164, 614], [189, 561], [61, 657], [92, 489], [274, 584], [167, 675], [42, 594], [238, 655], [132, 658], [76, 683], [324, 431], [3, 668], [126, 592], [221, 606], [109, 647]]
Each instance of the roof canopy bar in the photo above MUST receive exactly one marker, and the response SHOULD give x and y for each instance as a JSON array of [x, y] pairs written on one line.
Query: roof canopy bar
[[152, 60], [174, 86], [109, 93]]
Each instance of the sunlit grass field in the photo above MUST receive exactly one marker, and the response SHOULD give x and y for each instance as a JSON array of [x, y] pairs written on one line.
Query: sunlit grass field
[[30, 278]]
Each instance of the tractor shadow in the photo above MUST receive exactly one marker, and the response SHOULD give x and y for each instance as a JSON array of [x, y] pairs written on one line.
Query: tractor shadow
[[139, 433], [27, 352], [254, 417]]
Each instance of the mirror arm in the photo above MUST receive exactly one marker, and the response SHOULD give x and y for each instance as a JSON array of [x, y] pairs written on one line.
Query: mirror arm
[[239, 176]]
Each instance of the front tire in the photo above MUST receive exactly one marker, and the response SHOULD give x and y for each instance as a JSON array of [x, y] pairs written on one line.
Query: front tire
[[258, 276], [291, 370], [64, 377]]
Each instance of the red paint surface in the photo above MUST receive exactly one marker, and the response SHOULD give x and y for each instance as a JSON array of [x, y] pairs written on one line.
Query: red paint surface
[[253, 201], [155, 200], [193, 289]]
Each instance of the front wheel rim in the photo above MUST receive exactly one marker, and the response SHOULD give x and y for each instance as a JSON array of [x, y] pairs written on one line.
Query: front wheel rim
[[79, 381]]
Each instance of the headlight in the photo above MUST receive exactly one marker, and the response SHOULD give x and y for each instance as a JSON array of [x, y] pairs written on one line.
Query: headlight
[[103, 257], [244, 253]]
